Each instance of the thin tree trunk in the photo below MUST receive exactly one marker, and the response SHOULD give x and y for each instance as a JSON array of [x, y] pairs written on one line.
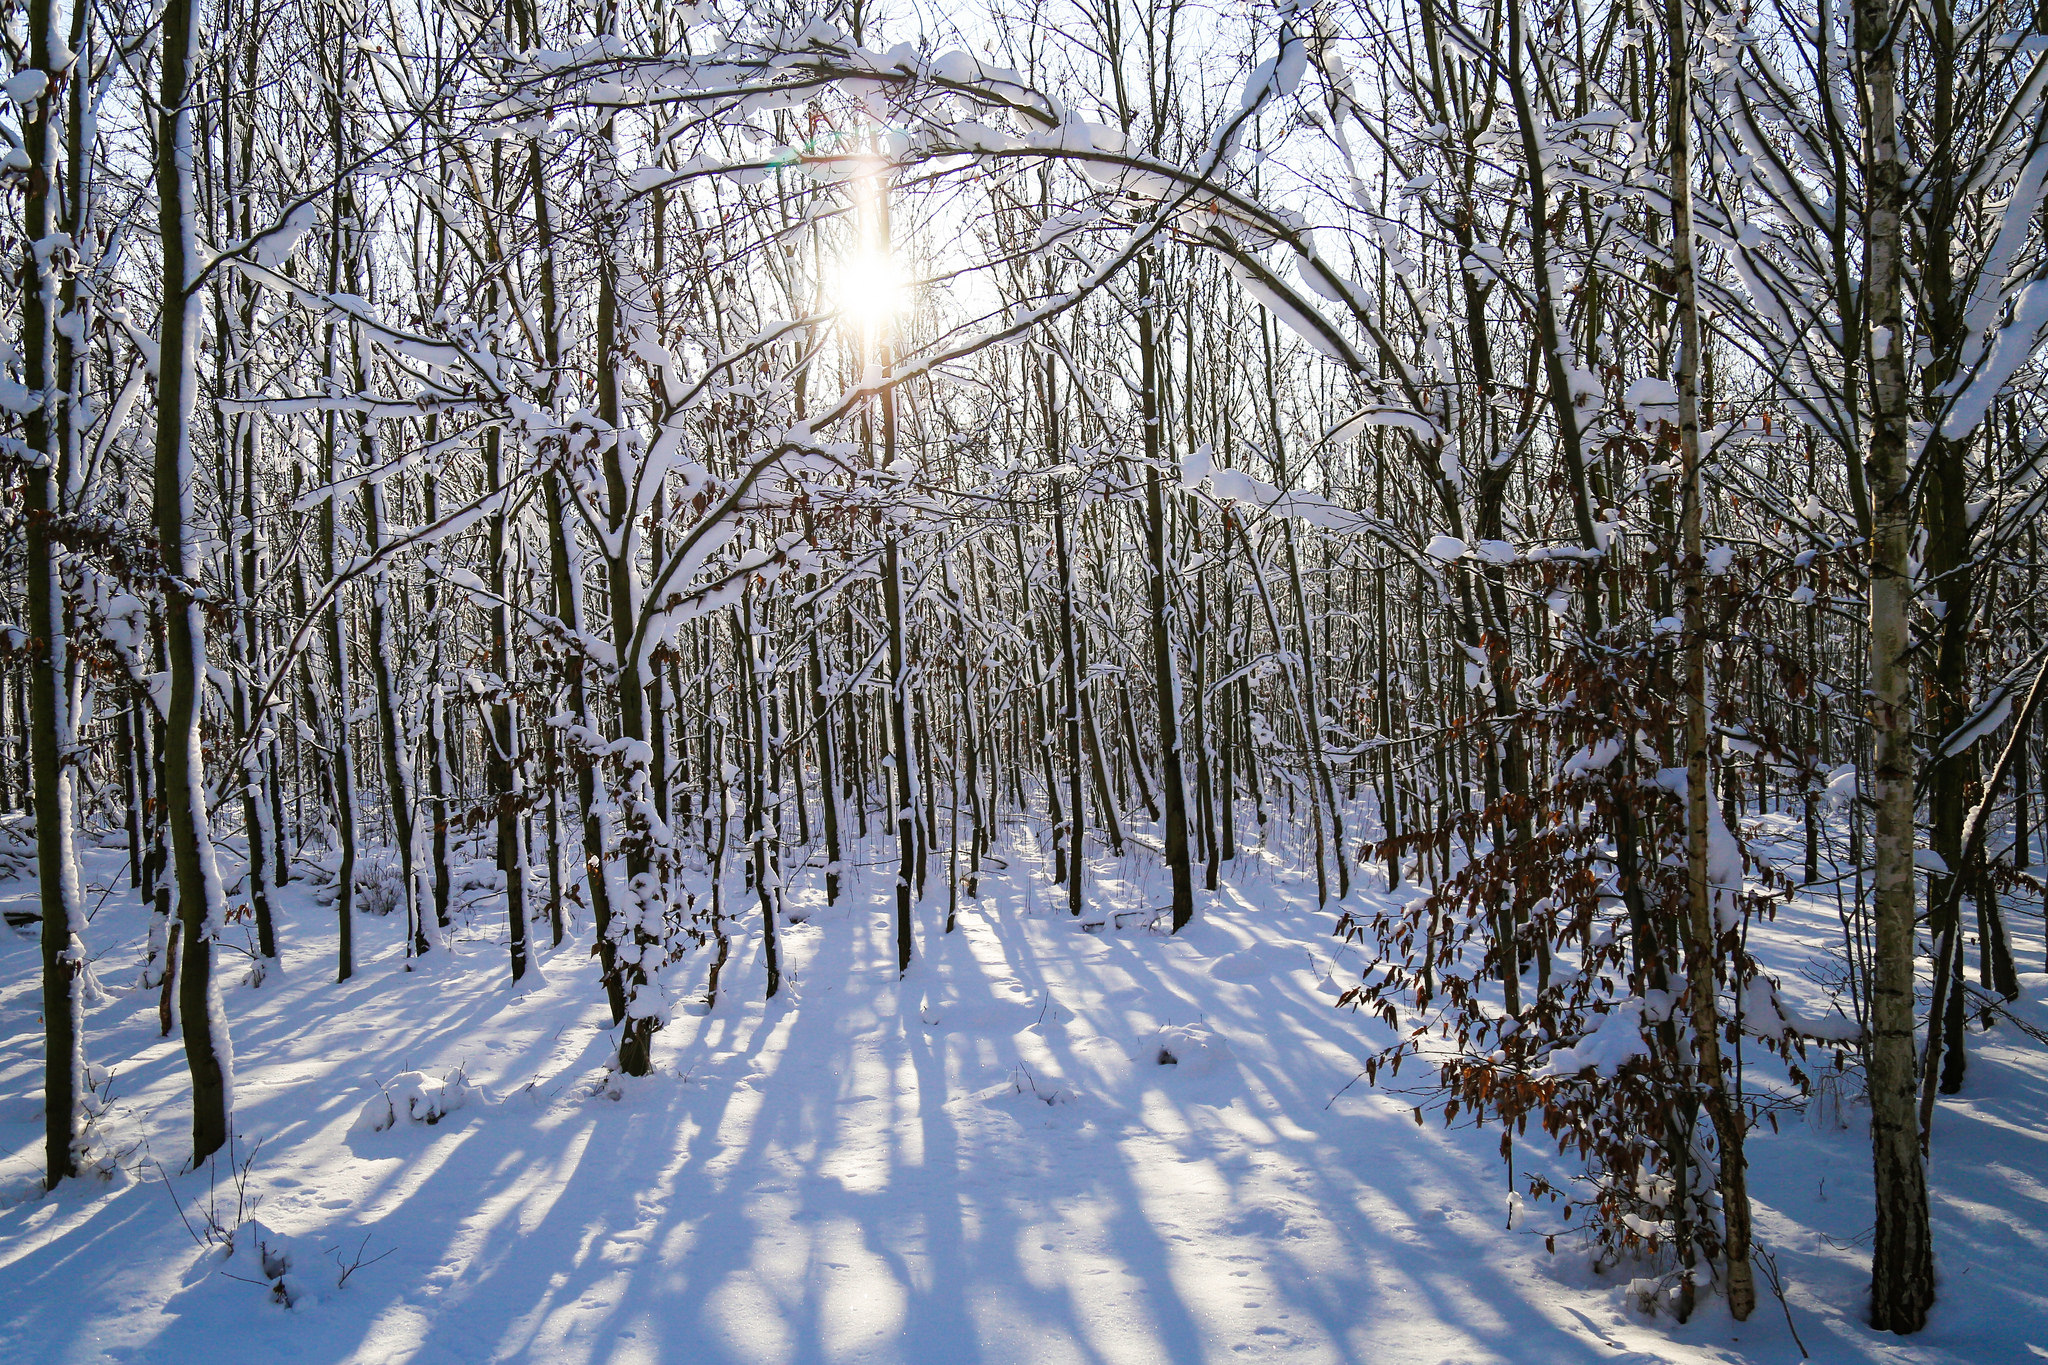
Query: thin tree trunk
[[1703, 917], [393, 746], [1902, 1260], [201, 904], [1165, 669], [49, 718], [1070, 664]]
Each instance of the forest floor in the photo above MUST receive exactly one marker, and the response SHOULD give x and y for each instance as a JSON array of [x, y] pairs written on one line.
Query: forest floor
[[989, 1160]]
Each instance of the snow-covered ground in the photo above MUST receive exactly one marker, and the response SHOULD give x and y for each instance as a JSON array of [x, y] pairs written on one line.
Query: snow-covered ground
[[990, 1160]]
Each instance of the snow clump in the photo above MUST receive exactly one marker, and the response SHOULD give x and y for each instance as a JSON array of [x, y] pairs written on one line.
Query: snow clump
[[418, 1098]]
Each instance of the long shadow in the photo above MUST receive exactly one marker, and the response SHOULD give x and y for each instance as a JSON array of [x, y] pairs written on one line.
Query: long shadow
[[827, 1180], [1446, 1272]]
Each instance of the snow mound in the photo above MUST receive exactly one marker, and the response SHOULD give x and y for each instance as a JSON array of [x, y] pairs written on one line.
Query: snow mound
[[1841, 788], [1024, 1086], [1247, 965], [1191, 1049], [1032, 1099], [294, 1276], [1262, 962], [1102, 1061], [418, 1098]]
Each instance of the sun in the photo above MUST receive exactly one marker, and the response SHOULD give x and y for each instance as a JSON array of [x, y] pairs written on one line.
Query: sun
[[869, 290]]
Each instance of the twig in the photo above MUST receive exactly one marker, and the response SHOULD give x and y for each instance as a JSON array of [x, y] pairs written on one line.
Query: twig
[[358, 1263], [1340, 1093], [178, 1206], [1981, 1003], [97, 905], [1770, 1266]]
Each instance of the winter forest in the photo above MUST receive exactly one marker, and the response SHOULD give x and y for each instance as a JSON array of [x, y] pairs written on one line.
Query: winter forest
[[1049, 680]]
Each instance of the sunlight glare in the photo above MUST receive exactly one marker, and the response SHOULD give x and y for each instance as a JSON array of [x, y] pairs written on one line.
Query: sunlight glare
[[870, 290]]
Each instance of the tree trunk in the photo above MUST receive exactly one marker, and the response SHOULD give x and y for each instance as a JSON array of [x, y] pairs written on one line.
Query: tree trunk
[[1902, 1260], [201, 904], [49, 714], [1703, 949], [1165, 668]]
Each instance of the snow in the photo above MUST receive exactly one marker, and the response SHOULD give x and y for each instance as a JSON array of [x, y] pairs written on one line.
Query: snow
[[25, 87], [1615, 1040], [1724, 854], [1653, 399], [992, 1159], [1766, 1014], [1841, 788], [1234, 485], [15, 398], [416, 1097], [1593, 758], [1988, 721], [270, 249], [1401, 419], [1295, 314]]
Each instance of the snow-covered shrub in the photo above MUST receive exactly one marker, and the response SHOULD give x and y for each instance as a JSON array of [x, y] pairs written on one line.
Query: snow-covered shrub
[[294, 1273], [17, 847], [271, 1257], [380, 884], [1191, 1049], [416, 1097]]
